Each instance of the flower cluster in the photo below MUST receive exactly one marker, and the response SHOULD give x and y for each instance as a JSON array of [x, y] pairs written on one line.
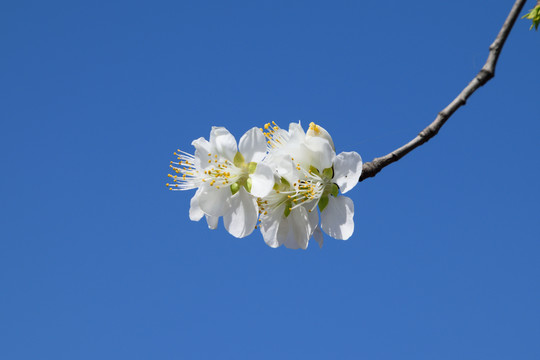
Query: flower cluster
[[273, 180]]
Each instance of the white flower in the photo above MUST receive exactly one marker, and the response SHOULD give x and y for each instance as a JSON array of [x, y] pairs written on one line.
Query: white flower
[[283, 179], [337, 214], [305, 149], [287, 213], [228, 178], [315, 178]]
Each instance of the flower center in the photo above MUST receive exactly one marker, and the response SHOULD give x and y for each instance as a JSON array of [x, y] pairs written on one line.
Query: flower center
[[217, 172]]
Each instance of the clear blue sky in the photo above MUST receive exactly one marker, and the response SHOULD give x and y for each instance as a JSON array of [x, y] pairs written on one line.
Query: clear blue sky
[[99, 261]]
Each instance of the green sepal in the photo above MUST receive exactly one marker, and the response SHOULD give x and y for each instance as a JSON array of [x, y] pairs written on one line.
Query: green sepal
[[335, 190], [251, 167], [234, 188], [314, 170], [285, 182], [238, 160], [288, 206], [328, 173], [287, 210], [323, 203], [247, 185]]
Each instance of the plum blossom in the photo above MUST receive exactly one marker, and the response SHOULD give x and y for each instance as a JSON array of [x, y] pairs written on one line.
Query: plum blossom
[[322, 175], [283, 178], [228, 179]]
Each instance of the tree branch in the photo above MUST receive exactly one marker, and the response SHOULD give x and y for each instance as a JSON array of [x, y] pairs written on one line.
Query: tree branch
[[487, 72]]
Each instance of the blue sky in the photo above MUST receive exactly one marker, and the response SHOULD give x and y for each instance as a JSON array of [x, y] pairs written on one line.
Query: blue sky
[[99, 260]]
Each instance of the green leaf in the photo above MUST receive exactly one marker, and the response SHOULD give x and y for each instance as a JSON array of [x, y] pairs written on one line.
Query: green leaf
[[234, 188], [238, 159], [323, 202], [534, 15]]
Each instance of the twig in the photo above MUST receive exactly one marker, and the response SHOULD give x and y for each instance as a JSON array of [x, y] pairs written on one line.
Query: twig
[[487, 72]]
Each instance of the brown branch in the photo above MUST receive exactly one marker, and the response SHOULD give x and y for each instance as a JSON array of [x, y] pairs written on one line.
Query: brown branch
[[487, 72]]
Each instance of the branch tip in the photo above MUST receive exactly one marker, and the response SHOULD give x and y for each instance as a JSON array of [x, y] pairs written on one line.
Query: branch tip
[[370, 169]]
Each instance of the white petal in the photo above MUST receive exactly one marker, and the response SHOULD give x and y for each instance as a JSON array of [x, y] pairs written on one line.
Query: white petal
[[262, 180], [214, 201], [252, 145], [202, 149], [284, 167], [212, 221], [322, 154], [195, 212], [319, 131], [241, 216], [284, 235], [337, 217], [300, 229], [313, 218], [294, 231], [202, 145], [347, 170], [296, 133], [318, 236], [223, 142], [269, 226]]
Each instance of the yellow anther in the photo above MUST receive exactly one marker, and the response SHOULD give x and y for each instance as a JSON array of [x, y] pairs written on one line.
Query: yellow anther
[[167, 184], [209, 161], [273, 122], [314, 127], [170, 188], [209, 154], [215, 156], [266, 126]]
